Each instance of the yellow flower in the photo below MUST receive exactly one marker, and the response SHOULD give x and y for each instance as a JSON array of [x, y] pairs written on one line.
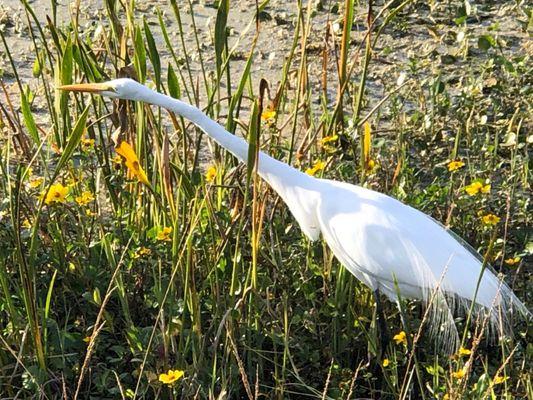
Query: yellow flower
[[459, 374], [512, 260], [211, 174], [87, 142], [319, 166], [455, 165], [56, 194], [476, 188], [117, 160], [87, 339], [490, 219], [499, 379], [132, 162], [400, 338], [329, 139], [36, 182], [90, 213], [386, 362], [85, 198], [164, 234], [171, 376], [142, 251], [370, 164], [464, 352], [268, 114]]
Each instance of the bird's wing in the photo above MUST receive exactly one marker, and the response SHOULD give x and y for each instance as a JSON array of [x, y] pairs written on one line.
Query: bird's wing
[[376, 235]]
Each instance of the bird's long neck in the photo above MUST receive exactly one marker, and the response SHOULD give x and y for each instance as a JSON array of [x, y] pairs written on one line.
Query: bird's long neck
[[296, 188]]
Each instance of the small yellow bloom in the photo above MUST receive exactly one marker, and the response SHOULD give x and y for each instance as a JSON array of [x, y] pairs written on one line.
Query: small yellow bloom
[[329, 139], [490, 219], [455, 165], [164, 234], [87, 339], [131, 161], [87, 142], [26, 223], [211, 174], [171, 376], [459, 374], [386, 362], [400, 338], [268, 114], [90, 213], [56, 194], [446, 396], [117, 160], [464, 352], [85, 198], [36, 182], [142, 251], [319, 166], [499, 379], [476, 188], [512, 260], [370, 164]]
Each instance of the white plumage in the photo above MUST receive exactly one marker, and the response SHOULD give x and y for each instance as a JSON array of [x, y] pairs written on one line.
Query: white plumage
[[384, 243]]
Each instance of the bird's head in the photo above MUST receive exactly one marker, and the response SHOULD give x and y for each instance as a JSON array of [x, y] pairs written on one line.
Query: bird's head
[[123, 88]]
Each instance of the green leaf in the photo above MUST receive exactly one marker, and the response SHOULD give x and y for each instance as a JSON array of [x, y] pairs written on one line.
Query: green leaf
[[28, 119], [139, 60], [173, 83], [485, 42], [220, 33], [153, 54], [67, 64], [73, 140]]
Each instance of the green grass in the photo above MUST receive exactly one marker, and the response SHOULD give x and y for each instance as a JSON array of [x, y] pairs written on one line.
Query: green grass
[[97, 298]]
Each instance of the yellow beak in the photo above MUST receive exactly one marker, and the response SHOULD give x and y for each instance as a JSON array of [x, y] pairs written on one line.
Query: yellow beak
[[88, 87]]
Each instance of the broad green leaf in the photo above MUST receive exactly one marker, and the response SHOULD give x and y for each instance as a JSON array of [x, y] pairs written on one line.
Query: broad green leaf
[[153, 54], [29, 121], [173, 83]]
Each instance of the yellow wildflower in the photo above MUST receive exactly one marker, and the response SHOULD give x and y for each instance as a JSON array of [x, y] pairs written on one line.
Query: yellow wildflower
[[319, 166], [87, 339], [36, 182], [386, 362], [476, 188], [446, 396], [164, 234], [490, 219], [90, 213], [268, 114], [117, 160], [56, 194], [455, 165], [132, 162], [464, 352], [142, 251], [87, 142], [499, 379], [329, 139], [400, 338], [211, 174], [85, 198], [26, 223], [512, 260], [459, 374], [171, 376]]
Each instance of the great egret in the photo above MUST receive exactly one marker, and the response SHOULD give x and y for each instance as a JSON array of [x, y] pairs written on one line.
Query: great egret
[[389, 246]]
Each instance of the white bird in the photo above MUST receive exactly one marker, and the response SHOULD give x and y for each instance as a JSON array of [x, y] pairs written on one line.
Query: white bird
[[389, 246]]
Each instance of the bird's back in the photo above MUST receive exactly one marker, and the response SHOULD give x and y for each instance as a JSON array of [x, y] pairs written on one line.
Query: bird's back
[[383, 241]]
